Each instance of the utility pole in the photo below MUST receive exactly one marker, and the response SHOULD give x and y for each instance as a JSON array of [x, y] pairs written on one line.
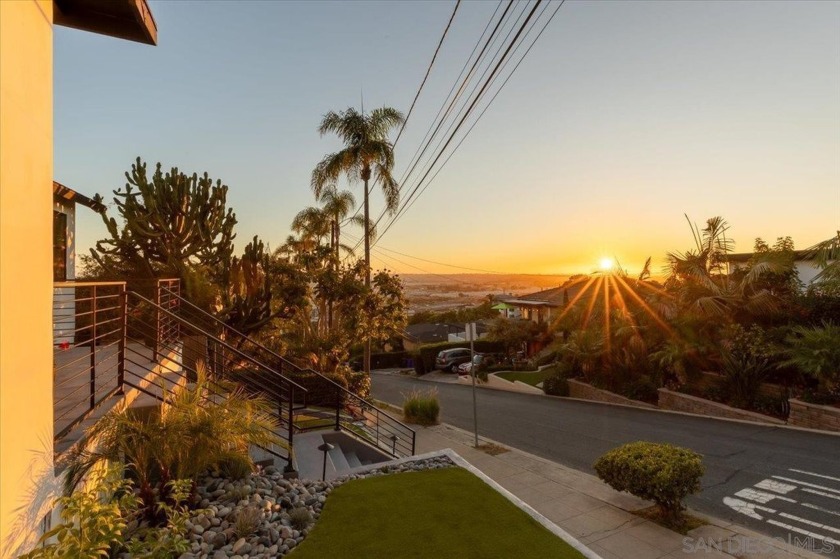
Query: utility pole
[[471, 333]]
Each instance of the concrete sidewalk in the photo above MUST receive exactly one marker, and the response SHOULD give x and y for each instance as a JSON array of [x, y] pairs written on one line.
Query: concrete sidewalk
[[596, 514]]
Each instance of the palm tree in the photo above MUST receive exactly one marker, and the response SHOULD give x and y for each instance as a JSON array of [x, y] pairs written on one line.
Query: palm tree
[[703, 284], [338, 205], [367, 153]]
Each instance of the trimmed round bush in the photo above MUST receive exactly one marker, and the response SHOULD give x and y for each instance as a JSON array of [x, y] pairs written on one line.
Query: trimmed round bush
[[556, 385], [662, 473]]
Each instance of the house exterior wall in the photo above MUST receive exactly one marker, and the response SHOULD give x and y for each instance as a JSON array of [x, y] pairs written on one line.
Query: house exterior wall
[[26, 172]]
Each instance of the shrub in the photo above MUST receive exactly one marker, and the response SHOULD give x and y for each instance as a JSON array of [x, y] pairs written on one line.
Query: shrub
[[300, 518], [95, 522], [816, 352], [182, 439], [643, 389], [742, 377], [556, 385], [662, 473], [359, 383], [89, 527], [421, 408], [247, 521], [547, 358]]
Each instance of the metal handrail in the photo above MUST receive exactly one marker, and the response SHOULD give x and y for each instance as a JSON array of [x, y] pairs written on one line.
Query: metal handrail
[[71, 283], [286, 361], [223, 343], [283, 360]]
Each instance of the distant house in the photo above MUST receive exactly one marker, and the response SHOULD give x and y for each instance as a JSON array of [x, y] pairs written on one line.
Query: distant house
[[64, 229], [543, 305], [806, 266]]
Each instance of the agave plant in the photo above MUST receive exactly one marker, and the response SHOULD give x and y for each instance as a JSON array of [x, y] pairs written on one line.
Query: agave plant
[[207, 424]]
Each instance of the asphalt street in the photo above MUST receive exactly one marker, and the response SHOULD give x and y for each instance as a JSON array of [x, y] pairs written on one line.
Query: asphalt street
[[778, 481]]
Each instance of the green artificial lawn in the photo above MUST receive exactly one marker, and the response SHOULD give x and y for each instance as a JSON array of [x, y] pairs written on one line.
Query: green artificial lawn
[[529, 378], [447, 513]]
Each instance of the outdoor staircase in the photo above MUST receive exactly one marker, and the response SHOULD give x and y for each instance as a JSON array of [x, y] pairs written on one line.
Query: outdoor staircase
[[347, 453], [156, 342]]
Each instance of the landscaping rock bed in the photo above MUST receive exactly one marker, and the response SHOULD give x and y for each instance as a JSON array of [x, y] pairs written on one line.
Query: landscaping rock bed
[[276, 512]]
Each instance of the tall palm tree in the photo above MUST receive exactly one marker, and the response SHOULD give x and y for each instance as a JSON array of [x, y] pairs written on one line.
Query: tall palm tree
[[367, 154]]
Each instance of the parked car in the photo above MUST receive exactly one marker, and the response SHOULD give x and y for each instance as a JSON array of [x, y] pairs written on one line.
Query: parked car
[[449, 359], [479, 360]]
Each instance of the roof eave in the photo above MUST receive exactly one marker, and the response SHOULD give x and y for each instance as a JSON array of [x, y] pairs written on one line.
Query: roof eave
[[131, 20]]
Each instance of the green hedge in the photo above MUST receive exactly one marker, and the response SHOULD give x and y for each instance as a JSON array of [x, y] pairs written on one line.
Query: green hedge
[[661, 473], [427, 353]]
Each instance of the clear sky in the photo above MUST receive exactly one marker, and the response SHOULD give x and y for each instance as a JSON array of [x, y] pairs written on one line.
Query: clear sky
[[624, 116]]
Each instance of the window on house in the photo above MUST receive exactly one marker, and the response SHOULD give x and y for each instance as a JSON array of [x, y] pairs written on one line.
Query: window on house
[[59, 246]]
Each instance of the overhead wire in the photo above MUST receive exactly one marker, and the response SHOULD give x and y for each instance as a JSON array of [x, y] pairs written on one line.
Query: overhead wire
[[401, 212], [484, 110], [418, 154]]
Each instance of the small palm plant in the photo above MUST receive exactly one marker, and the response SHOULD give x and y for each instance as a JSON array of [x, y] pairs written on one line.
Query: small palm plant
[[815, 351], [208, 424]]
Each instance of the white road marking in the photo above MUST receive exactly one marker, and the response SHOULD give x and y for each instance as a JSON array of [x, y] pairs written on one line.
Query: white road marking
[[804, 532], [746, 508], [800, 482], [823, 493], [775, 486], [813, 474], [821, 509], [760, 496], [811, 522]]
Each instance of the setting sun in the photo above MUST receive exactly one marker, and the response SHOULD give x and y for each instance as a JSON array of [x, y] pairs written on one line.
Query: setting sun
[[607, 264]]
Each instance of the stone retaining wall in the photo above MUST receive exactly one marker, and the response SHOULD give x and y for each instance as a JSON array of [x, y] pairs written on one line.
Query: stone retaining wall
[[708, 379], [813, 416], [677, 401], [585, 391]]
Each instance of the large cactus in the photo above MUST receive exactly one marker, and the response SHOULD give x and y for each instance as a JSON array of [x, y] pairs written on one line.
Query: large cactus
[[171, 222], [246, 289]]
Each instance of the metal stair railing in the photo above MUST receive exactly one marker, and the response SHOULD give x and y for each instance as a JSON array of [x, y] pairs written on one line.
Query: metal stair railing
[[175, 359], [348, 411]]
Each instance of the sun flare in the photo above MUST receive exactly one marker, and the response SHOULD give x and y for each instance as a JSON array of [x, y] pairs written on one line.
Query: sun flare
[[606, 264]]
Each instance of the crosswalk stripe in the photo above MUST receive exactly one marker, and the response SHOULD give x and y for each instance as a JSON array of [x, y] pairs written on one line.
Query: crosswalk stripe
[[800, 482], [822, 493], [813, 474]]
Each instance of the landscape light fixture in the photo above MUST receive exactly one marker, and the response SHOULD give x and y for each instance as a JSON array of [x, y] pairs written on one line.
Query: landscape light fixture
[[325, 448]]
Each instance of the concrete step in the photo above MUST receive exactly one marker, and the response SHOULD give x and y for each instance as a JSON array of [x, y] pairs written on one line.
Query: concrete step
[[339, 461], [352, 459]]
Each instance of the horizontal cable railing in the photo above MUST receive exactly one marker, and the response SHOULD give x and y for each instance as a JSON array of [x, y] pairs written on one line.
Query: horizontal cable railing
[[325, 403], [88, 349], [193, 345]]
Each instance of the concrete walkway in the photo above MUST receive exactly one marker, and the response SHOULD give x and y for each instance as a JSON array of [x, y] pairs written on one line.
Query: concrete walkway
[[596, 514]]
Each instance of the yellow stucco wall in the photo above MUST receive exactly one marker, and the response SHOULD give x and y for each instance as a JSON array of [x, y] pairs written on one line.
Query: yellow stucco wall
[[26, 169]]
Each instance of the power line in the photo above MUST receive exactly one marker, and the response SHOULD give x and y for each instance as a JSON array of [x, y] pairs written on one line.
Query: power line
[[466, 114], [428, 71], [436, 262], [415, 159], [408, 206]]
